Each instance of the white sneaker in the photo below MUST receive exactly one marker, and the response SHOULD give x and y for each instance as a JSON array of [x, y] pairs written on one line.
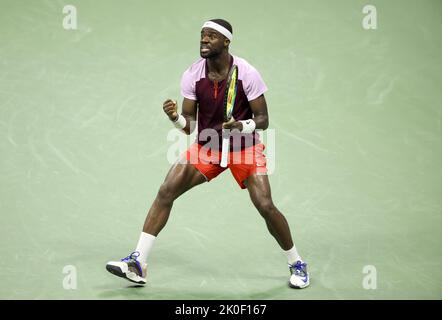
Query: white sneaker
[[299, 276], [129, 268]]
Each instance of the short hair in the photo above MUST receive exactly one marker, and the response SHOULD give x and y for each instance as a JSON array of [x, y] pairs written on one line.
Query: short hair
[[223, 23]]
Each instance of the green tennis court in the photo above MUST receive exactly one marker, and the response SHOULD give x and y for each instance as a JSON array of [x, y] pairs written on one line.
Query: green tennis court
[[356, 121]]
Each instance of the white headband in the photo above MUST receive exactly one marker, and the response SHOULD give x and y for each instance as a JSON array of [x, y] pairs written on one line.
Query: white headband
[[219, 28]]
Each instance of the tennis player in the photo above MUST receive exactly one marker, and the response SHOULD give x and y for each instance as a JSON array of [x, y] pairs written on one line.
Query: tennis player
[[203, 85]]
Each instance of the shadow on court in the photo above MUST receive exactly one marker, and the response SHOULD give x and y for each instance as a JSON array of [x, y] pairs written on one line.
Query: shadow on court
[[138, 292]]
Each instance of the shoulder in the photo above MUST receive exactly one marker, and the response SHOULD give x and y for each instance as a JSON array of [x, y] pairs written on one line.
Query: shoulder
[[252, 82], [245, 69], [196, 70]]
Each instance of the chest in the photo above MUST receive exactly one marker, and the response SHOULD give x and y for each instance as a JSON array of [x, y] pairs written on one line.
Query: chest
[[210, 95], [216, 77]]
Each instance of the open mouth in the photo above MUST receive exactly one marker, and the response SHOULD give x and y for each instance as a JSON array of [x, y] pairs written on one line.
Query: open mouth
[[204, 49]]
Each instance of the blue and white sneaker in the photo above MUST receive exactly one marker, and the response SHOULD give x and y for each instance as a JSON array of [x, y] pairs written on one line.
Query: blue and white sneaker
[[129, 268], [299, 276]]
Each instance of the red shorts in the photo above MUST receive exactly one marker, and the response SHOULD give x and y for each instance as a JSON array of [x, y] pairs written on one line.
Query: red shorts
[[242, 163]]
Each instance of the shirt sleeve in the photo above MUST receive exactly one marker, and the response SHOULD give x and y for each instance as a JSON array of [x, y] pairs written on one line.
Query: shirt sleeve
[[253, 84], [188, 86]]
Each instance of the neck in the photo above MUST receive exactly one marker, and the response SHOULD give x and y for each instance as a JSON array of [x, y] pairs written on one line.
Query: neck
[[219, 63]]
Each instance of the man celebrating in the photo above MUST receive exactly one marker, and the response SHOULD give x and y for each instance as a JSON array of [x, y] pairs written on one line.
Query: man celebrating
[[202, 87]]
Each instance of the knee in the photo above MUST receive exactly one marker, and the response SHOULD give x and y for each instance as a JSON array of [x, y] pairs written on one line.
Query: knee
[[166, 194], [265, 207]]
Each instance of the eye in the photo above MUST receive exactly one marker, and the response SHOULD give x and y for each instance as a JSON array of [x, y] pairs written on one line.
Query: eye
[[212, 36]]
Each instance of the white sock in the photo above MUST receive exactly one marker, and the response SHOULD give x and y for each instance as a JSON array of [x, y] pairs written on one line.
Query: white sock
[[292, 255], [144, 246]]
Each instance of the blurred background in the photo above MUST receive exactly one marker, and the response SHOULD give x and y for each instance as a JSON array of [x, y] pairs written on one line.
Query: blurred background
[[356, 115]]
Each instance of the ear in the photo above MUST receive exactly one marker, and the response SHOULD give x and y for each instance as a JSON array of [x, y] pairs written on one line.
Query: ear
[[226, 42]]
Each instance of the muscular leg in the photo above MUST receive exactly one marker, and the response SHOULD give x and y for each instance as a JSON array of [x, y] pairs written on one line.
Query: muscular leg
[[259, 190], [181, 177]]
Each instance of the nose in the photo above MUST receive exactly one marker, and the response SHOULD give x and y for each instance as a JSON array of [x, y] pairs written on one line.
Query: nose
[[204, 39]]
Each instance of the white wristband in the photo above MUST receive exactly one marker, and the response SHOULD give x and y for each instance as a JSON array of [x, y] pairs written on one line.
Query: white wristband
[[248, 126], [180, 123]]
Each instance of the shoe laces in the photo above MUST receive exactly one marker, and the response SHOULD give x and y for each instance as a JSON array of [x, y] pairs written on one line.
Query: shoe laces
[[299, 268], [133, 256]]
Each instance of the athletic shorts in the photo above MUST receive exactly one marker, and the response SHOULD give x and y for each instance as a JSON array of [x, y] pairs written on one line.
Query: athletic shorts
[[241, 163]]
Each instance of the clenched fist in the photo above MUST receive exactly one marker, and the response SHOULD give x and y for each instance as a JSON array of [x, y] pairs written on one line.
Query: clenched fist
[[170, 107]]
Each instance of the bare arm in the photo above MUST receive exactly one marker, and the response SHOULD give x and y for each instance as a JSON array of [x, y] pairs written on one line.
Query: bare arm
[[189, 108], [260, 115]]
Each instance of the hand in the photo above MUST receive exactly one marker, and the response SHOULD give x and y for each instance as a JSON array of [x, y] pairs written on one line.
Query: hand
[[171, 109], [232, 125]]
